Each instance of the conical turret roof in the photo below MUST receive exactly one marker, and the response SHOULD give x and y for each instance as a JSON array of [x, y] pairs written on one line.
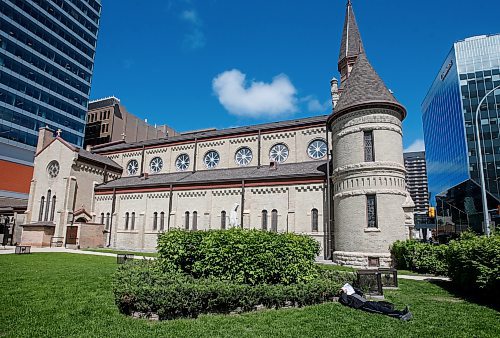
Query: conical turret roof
[[351, 45], [365, 87]]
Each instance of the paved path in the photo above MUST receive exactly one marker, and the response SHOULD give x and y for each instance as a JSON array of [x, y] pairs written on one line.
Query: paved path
[[11, 250]]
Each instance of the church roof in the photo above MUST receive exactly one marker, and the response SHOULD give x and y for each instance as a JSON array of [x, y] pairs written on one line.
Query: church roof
[[87, 155], [364, 87], [283, 171], [351, 44], [105, 148]]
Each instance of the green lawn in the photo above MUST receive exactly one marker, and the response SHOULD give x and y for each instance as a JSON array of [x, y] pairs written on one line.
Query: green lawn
[[68, 295], [137, 253]]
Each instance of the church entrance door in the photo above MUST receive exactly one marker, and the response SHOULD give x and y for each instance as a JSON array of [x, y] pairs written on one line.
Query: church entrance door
[[71, 233]]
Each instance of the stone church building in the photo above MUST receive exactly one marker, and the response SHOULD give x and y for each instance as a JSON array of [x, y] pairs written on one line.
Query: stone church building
[[338, 178]]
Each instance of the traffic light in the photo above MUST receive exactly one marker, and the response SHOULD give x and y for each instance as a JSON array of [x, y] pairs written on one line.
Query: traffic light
[[432, 212]]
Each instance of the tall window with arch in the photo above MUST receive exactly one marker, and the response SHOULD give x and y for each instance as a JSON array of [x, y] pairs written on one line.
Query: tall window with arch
[[132, 223], [186, 220], [195, 220], [274, 220], [108, 218], [102, 218], [155, 221], [53, 208], [162, 221], [127, 216], [368, 145], [314, 220], [264, 220], [223, 220], [42, 205], [47, 206]]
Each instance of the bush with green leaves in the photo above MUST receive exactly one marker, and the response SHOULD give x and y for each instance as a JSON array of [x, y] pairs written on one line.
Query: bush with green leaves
[[240, 255], [143, 287], [474, 264], [420, 257]]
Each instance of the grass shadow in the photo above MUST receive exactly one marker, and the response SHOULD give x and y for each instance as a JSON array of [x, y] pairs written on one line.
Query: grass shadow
[[477, 298]]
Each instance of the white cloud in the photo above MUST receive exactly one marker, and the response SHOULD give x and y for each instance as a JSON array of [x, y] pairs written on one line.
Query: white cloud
[[191, 16], [417, 145], [314, 106], [195, 38], [257, 99]]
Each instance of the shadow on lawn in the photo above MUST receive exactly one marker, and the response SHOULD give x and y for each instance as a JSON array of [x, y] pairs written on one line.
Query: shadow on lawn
[[488, 300]]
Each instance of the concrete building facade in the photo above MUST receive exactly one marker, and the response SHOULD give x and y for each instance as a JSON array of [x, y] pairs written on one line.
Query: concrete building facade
[[109, 121], [416, 180]]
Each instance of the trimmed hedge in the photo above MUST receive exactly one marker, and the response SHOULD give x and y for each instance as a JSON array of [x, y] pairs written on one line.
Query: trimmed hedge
[[472, 262], [420, 257], [143, 287], [239, 255]]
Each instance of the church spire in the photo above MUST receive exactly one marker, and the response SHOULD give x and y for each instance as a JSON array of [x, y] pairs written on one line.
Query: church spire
[[351, 45]]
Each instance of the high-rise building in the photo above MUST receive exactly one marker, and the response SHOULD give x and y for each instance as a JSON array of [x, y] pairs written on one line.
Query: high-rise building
[[416, 180], [109, 121], [465, 82], [47, 53]]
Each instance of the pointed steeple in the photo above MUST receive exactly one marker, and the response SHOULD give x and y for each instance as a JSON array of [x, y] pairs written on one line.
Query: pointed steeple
[[351, 45], [364, 89]]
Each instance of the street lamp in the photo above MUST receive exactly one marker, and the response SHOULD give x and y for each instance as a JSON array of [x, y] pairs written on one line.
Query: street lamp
[[481, 173]]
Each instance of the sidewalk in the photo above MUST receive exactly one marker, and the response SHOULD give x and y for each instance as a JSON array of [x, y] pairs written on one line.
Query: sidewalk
[[11, 250]]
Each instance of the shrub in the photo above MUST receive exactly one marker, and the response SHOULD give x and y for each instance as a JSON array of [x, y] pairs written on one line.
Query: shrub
[[243, 256], [420, 257], [474, 264], [144, 287]]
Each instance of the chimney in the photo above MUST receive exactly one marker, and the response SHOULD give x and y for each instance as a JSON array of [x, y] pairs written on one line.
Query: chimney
[[334, 90], [45, 136]]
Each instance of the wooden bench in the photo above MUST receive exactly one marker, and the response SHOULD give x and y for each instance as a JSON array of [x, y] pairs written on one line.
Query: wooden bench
[[23, 249]]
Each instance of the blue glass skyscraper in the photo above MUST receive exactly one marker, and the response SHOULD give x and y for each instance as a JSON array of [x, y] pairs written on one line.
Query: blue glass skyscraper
[[469, 72], [47, 53]]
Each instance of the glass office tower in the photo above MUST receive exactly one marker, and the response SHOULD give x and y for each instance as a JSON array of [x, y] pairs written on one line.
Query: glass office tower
[[47, 53], [469, 72]]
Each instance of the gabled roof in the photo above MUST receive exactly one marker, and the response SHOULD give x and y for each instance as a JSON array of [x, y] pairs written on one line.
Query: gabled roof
[[351, 45], [313, 169], [303, 122], [84, 154], [365, 87]]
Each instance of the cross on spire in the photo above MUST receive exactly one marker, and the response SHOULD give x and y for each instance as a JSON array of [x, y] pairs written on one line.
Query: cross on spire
[[58, 132]]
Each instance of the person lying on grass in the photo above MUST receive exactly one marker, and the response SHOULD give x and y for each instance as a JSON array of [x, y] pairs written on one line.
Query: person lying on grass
[[352, 297]]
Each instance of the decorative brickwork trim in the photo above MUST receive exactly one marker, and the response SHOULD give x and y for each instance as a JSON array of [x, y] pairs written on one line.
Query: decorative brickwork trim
[[131, 197], [360, 192], [314, 131], [226, 192], [244, 140], [192, 194], [269, 190], [279, 136], [183, 147], [156, 151], [212, 144]]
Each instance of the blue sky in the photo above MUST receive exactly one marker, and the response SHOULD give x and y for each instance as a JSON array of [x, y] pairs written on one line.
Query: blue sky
[[222, 63]]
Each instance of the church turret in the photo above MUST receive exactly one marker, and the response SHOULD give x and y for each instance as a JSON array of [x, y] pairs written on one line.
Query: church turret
[[351, 45], [368, 178]]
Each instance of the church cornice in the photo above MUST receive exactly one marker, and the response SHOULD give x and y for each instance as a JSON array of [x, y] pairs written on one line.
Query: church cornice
[[369, 166]]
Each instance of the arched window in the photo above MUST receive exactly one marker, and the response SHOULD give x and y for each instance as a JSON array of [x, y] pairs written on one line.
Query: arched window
[[314, 220], [264, 220], [162, 221], [274, 220], [132, 224], [155, 220], [42, 205], [223, 220], [195, 220], [102, 218], [186, 220], [53, 209], [107, 220], [126, 220], [47, 206]]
